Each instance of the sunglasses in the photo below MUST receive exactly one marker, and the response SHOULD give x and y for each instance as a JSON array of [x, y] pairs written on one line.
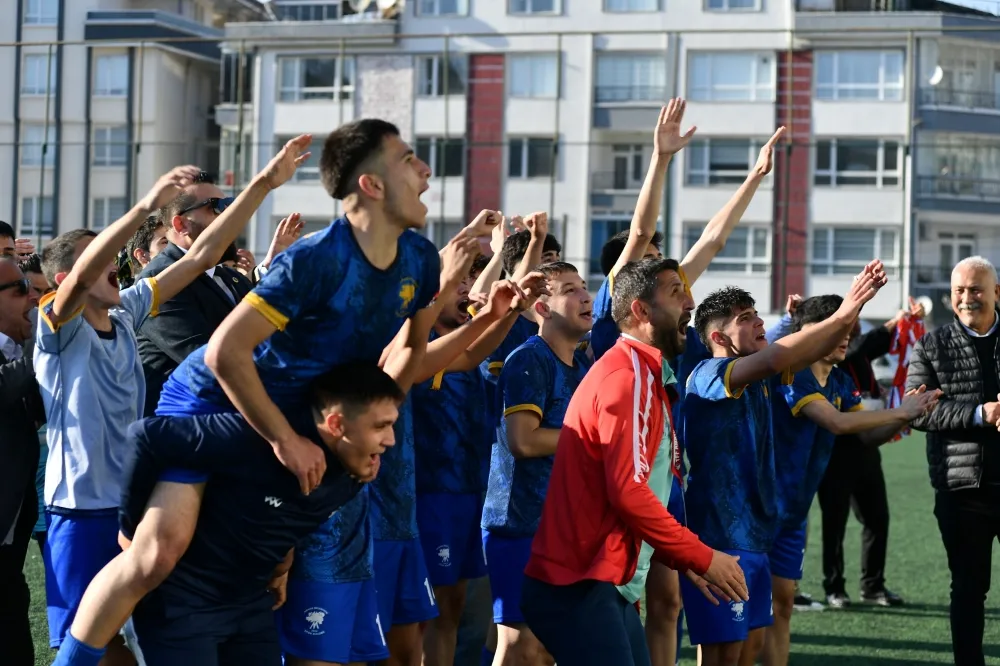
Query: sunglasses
[[217, 204], [21, 285]]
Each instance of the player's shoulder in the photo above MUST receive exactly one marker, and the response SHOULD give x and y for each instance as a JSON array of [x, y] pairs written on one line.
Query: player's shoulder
[[711, 366], [417, 245]]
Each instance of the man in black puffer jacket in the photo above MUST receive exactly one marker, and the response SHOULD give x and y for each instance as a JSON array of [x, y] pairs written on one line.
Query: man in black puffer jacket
[[963, 444]]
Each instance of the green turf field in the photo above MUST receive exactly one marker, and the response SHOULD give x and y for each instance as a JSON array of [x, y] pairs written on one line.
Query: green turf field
[[918, 633]]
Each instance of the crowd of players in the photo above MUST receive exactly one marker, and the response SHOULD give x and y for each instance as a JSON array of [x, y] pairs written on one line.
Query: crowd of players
[[377, 423]]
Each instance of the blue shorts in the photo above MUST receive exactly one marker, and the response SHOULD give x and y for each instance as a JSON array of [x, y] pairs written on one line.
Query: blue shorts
[[77, 547], [675, 505], [506, 559], [730, 622], [404, 591], [332, 622], [450, 536], [788, 554]]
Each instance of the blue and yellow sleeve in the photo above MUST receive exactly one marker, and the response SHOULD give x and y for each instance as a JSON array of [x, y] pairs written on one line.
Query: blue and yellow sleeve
[[711, 380], [802, 390], [850, 399], [294, 284], [525, 383]]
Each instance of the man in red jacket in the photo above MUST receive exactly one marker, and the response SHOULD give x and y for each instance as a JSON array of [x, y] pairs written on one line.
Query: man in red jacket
[[599, 508]]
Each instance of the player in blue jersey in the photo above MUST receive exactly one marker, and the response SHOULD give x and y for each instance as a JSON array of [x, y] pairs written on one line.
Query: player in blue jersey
[[536, 384], [731, 496], [820, 403]]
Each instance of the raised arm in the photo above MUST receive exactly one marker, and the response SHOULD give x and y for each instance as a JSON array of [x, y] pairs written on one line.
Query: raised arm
[[494, 269], [889, 421], [718, 229]]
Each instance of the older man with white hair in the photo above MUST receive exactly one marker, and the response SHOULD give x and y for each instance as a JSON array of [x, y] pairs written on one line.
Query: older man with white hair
[[963, 444]]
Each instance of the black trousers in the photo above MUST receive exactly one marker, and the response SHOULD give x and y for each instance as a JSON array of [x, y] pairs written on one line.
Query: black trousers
[[854, 480], [969, 521], [15, 628]]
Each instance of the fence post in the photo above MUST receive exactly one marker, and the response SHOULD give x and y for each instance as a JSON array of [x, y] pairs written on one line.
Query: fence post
[[40, 207]]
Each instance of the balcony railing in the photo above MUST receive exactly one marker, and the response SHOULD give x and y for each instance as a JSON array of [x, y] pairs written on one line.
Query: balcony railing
[[625, 94], [969, 99], [932, 275], [958, 187], [851, 5], [610, 181]]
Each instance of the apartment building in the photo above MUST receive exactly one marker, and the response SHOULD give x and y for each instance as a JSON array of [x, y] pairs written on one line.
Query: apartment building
[[103, 103], [548, 105]]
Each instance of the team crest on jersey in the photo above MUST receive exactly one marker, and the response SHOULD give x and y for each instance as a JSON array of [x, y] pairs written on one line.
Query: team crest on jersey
[[407, 292], [314, 619], [737, 608], [444, 556]]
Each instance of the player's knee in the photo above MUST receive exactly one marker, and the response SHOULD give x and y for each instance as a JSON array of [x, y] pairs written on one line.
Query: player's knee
[[663, 608]]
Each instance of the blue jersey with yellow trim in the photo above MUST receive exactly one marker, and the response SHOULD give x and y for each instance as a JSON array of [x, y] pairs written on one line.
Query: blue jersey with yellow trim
[[340, 551], [330, 306], [532, 379], [731, 498], [394, 490], [519, 333], [802, 448], [451, 434]]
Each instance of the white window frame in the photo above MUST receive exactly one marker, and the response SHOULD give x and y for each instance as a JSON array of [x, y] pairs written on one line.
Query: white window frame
[[41, 12], [629, 10], [433, 80], [109, 212], [739, 265], [826, 266], [308, 172], [837, 89], [314, 3], [35, 226], [34, 61], [530, 10], [433, 8], [104, 143], [531, 59], [332, 93], [725, 6], [107, 70], [31, 146], [757, 92], [880, 174], [434, 145], [705, 147], [523, 171], [654, 92]]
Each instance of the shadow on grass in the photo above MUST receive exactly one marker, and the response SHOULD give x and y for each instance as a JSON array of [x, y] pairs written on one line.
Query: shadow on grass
[[909, 610], [878, 643]]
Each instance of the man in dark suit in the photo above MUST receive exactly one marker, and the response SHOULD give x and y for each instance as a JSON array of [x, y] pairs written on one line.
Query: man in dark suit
[[21, 415]]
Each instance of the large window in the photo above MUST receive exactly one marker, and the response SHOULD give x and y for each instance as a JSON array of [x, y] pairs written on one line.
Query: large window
[[110, 146], [38, 74], [730, 76], [433, 74], [631, 5], [111, 75], [859, 75], [37, 216], [534, 75], [602, 229], [32, 139], [636, 77], [316, 10], [719, 161], [846, 250], [530, 158], [732, 5], [747, 251], [442, 7], [534, 6], [315, 78], [865, 162], [963, 76], [446, 157], [41, 12], [957, 165], [105, 210], [309, 171]]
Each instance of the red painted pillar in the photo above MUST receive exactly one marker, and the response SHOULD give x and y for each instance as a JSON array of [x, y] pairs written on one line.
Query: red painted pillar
[[485, 133]]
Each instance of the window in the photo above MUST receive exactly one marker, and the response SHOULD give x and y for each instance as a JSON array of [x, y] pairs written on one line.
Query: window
[[39, 73], [111, 75], [846, 250], [859, 75], [441, 231], [442, 7], [866, 162], [631, 78], [628, 162], [307, 11], [315, 78], [631, 5], [969, 75], [432, 75], [41, 12], [730, 77], [105, 210], [962, 166], [531, 158], [748, 249], [32, 138], [446, 157], [110, 146], [533, 76], [534, 6], [732, 5], [37, 217], [227, 156], [309, 170], [720, 161]]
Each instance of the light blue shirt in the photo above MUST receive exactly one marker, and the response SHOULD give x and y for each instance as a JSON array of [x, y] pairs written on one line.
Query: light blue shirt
[[93, 389]]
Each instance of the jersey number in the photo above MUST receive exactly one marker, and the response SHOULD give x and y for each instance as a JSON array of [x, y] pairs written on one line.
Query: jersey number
[[430, 592]]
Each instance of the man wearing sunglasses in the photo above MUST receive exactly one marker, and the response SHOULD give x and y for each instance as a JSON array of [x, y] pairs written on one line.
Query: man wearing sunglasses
[[21, 413], [188, 320]]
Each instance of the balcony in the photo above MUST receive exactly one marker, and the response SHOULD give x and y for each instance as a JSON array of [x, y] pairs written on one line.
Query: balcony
[[634, 94], [366, 29], [961, 99], [131, 26], [613, 181], [958, 188], [628, 108], [851, 5]]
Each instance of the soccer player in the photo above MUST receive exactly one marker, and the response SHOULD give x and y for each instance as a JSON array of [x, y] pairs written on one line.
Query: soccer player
[[599, 506], [731, 495], [821, 403], [535, 386]]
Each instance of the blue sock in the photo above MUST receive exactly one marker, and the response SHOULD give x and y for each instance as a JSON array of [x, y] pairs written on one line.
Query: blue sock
[[74, 653], [485, 660]]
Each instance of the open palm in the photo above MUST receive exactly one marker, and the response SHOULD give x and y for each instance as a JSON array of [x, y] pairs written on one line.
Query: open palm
[[667, 139], [282, 167]]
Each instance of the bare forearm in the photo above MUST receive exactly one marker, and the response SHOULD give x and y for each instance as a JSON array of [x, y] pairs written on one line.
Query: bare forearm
[[532, 257], [404, 363], [207, 250], [881, 435], [238, 377], [852, 423], [489, 275], [443, 351], [538, 443], [488, 342]]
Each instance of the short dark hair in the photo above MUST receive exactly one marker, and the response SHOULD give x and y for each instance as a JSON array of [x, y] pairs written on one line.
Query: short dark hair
[[816, 309], [6, 231], [59, 255], [142, 239], [717, 306], [30, 264], [556, 268], [347, 150], [354, 387], [636, 281], [516, 245], [615, 245], [479, 265]]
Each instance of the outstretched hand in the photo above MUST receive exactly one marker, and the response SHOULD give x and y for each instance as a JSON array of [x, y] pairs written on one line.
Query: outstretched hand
[[283, 165], [168, 187], [765, 160], [667, 138]]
